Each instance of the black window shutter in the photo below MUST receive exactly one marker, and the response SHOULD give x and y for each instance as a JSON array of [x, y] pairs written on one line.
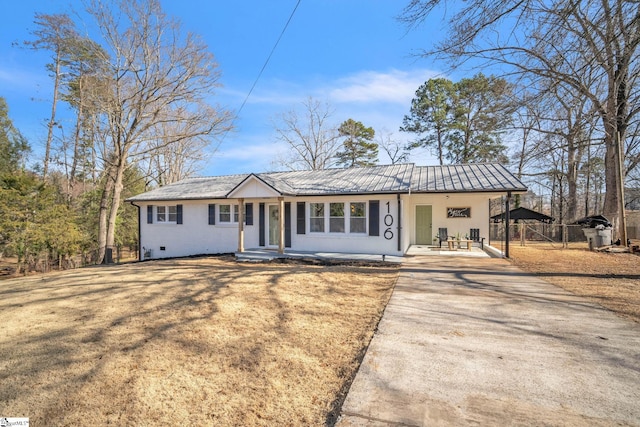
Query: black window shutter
[[261, 224], [149, 214], [300, 218], [374, 217], [212, 214], [248, 214], [179, 214], [287, 225]]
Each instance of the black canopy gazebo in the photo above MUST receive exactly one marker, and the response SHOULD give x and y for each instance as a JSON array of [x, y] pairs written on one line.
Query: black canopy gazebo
[[519, 214]]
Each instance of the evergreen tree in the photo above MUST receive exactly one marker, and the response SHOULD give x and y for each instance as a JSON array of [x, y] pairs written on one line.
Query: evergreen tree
[[357, 148], [56, 34], [463, 121], [35, 223], [482, 112], [13, 146], [431, 115]]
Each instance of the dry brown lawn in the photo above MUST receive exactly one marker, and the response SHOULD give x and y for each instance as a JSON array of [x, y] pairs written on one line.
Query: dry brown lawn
[[609, 279], [202, 341]]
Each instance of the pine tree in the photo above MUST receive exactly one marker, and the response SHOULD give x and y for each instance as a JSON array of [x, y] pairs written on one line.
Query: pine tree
[[357, 148]]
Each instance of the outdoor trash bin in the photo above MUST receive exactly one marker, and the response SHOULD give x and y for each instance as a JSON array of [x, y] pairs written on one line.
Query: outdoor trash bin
[[597, 237], [605, 235]]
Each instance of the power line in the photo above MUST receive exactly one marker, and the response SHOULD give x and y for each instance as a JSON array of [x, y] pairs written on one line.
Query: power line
[[235, 117]]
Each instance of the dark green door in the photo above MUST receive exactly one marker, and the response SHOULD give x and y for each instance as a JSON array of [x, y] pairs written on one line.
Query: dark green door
[[424, 233]]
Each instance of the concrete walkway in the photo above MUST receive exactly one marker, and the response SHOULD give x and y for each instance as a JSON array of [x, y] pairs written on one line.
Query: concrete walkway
[[260, 254], [476, 341]]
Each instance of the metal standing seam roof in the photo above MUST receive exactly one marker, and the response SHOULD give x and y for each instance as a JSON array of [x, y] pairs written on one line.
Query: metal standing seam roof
[[477, 177], [400, 178], [375, 179], [215, 187]]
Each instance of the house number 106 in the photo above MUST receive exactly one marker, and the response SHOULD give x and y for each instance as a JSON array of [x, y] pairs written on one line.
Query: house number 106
[[388, 221]]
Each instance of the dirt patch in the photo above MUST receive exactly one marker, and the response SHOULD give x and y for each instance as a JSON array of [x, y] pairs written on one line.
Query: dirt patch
[[609, 279], [203, 341]]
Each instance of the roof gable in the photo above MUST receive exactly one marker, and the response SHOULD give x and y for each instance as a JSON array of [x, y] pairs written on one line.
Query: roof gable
[[251, 187]]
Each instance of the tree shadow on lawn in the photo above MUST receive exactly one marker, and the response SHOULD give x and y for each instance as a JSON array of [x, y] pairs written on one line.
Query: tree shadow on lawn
[[160, 340]]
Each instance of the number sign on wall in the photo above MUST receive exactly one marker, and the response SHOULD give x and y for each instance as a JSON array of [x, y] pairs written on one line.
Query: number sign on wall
[[388, 221]]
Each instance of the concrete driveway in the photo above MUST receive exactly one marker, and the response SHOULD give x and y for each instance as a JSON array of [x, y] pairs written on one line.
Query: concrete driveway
[[476, 341]]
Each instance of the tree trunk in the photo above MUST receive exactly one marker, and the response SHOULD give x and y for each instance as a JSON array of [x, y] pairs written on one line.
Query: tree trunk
[[612, 189], [103, 214], [573, 161], [76, 145], [52, 120], [440, 148], [115, 204], [587, 185], [615, 125]]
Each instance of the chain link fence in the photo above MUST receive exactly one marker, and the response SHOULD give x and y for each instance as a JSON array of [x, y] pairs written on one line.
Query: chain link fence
[[553, 234]]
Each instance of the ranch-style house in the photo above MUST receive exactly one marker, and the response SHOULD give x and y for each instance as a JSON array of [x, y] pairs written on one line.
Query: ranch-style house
[[371, 210]]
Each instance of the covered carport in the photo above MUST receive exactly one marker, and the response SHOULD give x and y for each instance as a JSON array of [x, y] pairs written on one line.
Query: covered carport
[[519, 215]]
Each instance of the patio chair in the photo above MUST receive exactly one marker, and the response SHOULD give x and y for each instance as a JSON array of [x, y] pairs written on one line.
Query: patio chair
[[443, 235], [474, 235]]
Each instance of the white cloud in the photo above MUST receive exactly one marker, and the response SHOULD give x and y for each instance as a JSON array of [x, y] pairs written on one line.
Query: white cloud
[[379, 99], [395, 86], [243, 153]]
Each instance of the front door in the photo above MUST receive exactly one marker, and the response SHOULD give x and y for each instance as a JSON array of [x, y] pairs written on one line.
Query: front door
[[273, 237], [424, 231]]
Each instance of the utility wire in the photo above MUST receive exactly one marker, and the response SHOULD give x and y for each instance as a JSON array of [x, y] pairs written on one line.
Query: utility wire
[[235, 117]]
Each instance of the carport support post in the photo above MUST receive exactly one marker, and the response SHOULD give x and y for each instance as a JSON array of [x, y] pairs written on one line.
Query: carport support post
[[507, 223], [240, 225], [281, 225]]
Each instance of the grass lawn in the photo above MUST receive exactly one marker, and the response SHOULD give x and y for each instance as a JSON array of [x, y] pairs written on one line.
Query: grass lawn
[[609, 279], [202, 341]]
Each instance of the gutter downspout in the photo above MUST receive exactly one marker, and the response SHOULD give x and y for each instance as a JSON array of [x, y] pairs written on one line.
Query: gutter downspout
[[399, 224], [139, 233]]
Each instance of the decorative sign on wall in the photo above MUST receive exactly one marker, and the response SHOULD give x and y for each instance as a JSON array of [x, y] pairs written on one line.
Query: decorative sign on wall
[[458, 212]]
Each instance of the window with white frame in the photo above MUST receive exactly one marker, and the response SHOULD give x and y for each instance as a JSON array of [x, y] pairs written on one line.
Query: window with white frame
[[224, 213], [336, 217], [316, 217], [358, 217], [340, 214], [167, 213]]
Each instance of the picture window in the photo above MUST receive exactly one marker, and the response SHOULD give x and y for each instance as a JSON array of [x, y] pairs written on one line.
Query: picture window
[[316, 216], [336, 217], [358, 217]]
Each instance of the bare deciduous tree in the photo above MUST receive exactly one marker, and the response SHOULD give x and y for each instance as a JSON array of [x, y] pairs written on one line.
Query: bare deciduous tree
[[168, 163], [311, 140], [396, 151], [157, 75]]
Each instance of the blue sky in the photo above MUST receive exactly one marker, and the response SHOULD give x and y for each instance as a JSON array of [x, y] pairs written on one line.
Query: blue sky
[[352, 54]]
